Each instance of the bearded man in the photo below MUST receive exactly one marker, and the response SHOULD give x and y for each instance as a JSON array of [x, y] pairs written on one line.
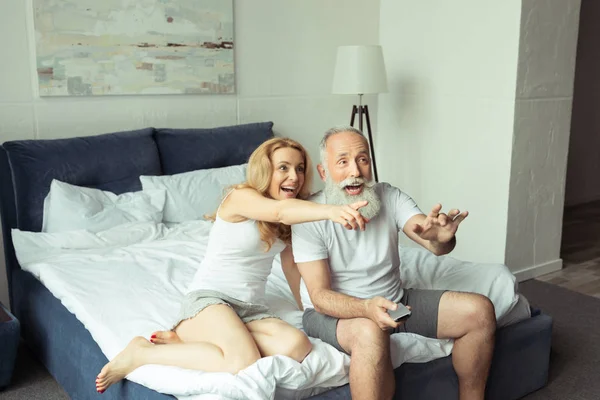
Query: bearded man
[[351, 278]]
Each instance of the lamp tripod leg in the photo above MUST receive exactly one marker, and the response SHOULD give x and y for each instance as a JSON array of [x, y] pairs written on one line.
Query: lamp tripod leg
[[354, 112], [364, 111], [371, 145]]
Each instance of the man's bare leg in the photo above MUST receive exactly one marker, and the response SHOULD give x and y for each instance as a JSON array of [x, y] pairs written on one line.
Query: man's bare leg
[[470, 320], [371, 371]]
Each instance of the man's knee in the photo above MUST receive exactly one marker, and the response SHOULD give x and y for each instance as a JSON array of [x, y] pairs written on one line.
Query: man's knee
[[479, 312], [363, 335]]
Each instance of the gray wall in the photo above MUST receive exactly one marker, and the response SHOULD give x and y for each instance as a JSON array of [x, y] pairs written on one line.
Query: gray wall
[[547, 53]]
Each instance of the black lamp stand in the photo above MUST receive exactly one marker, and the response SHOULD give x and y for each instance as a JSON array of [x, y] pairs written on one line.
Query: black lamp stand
[[363, 111]]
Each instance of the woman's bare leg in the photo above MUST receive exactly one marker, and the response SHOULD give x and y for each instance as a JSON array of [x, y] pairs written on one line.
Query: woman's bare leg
[[221, 343], [165, 337], [274, 336]]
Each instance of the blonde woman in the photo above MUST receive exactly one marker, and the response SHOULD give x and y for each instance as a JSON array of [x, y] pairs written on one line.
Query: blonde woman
[[224, 324]]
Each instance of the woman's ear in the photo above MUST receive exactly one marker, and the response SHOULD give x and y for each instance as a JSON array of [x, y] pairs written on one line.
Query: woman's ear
[[322, 173]]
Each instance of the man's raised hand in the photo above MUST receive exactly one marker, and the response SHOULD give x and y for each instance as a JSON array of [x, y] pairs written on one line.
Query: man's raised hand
[[440, 227]]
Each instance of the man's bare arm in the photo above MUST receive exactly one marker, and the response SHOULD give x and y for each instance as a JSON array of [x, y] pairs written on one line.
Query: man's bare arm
[[318, 282], [327, 301]]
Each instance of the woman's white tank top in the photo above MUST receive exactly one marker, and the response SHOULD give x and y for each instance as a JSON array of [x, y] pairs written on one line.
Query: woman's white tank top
[[236, 262]]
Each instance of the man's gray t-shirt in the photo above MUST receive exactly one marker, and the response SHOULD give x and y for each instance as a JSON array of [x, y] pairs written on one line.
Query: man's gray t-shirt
[[362, 264]]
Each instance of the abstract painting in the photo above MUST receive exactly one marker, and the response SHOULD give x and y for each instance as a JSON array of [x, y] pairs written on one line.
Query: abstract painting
[[132, 47]]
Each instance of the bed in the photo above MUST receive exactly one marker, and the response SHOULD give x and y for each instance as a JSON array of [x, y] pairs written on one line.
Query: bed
[[114, 162]]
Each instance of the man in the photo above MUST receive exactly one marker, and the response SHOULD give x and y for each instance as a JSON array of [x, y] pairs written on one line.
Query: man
[[351, 278]]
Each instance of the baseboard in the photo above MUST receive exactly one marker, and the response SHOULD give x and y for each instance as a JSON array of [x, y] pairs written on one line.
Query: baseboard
[[537, 270]]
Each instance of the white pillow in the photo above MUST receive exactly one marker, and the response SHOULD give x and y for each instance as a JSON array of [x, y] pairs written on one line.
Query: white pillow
[[191, 195], [68, 207]]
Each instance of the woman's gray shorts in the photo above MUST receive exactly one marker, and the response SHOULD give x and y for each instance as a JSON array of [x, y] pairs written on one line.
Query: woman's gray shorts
[[424, 305], [198, 300]]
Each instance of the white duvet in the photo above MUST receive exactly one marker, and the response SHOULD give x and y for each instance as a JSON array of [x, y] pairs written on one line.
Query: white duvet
[[129, 281]]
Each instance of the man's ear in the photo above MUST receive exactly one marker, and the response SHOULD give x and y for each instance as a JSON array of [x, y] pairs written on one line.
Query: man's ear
[[321, 170]]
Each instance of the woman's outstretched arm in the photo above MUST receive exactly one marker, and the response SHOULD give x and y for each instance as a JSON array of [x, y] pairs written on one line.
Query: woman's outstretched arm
[[250, 204]]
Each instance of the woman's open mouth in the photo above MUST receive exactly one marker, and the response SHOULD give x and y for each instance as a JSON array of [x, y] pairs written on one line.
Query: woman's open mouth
[[288, 191]]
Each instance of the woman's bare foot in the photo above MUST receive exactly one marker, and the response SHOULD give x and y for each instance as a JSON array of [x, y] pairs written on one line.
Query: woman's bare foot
[[165, 337], [125, 362]]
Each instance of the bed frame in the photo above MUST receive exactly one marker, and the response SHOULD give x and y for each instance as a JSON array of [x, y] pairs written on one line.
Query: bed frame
[[114, 162]]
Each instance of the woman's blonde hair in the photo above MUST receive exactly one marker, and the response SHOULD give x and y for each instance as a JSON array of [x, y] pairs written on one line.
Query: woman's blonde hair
[[258, 177]]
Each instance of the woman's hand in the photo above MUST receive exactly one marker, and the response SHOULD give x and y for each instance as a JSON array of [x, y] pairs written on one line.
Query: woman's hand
[[348, 215]]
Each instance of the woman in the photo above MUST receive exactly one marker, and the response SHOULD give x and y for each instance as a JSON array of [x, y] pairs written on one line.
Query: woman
[[224, 325]]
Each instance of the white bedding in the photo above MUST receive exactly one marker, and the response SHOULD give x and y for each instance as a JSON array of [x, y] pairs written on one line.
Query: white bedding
[[129, 281]]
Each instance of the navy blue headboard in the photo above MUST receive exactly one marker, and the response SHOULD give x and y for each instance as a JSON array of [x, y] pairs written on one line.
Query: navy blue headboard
[[111, 162], [184, 150]]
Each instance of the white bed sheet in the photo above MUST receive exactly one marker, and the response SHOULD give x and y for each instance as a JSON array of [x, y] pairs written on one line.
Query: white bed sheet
[[129, 281]]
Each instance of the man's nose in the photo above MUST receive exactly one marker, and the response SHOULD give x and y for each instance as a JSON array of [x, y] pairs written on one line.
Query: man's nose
[[354, 170]]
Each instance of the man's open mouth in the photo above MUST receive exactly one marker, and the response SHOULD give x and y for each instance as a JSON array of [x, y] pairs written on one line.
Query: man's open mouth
[[353, 190]]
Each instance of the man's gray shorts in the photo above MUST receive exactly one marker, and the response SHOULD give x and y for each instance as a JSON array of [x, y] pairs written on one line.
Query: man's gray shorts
[[423, 320]]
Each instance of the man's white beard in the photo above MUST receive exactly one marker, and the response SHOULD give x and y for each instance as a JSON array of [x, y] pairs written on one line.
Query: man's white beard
[[335, 193]]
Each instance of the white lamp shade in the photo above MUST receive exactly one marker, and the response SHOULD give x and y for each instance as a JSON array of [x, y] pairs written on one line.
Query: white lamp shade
[[359, 70]]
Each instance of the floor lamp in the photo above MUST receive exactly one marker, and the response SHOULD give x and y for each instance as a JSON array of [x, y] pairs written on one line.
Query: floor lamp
[[360, 70]]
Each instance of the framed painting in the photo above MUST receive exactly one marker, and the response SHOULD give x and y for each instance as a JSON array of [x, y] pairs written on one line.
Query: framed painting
[[134, 47]]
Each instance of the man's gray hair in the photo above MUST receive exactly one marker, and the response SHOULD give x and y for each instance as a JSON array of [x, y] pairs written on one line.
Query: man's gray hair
[[331, 132]]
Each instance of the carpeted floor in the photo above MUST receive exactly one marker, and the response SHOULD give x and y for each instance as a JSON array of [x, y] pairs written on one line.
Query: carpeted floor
[[575, 358], [579, 250], [31, 381], [574, 367]]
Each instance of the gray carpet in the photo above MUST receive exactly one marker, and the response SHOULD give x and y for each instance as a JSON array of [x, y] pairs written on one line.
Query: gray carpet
[[31, 381], [575, 357], [574, 367]]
